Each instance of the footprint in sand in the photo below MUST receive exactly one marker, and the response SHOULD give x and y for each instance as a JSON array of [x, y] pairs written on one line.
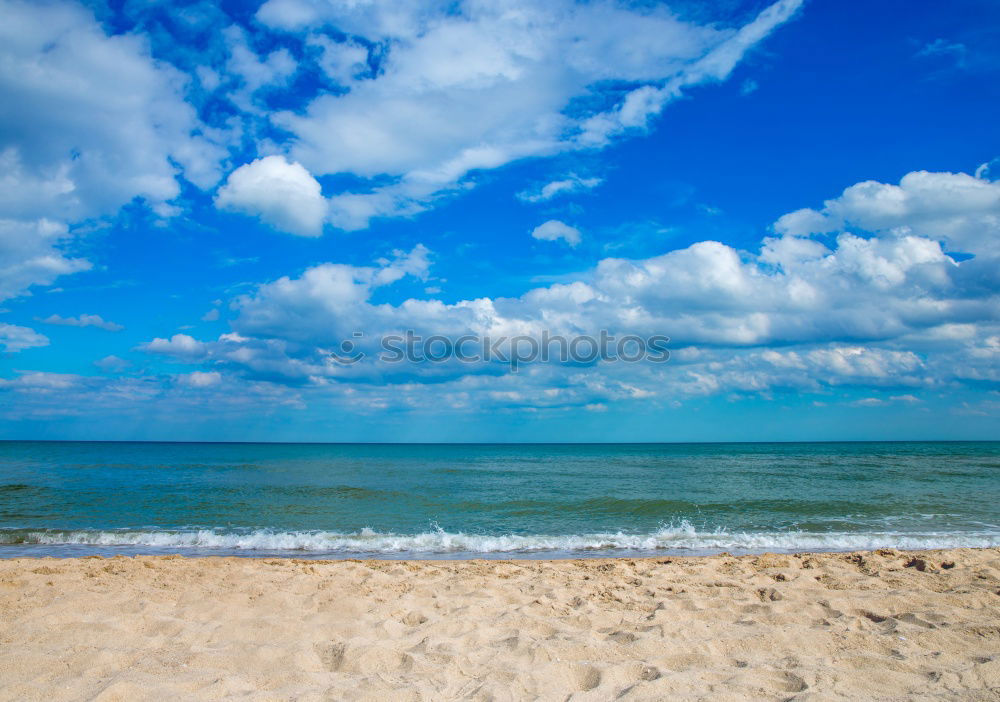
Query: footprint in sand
[[331, 654], [622, 637], [575, 676], [414, 618], [910, 618], [770, 680]]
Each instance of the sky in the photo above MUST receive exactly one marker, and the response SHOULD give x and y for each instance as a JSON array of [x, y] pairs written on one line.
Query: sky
[[202, 201]]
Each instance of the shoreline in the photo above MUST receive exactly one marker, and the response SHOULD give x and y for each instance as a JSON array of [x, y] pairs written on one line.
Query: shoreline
[[886, 624], [484, 558], [676, 539]]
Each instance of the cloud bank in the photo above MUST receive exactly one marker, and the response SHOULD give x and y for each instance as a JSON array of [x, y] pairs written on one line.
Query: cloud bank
[[815, 306]]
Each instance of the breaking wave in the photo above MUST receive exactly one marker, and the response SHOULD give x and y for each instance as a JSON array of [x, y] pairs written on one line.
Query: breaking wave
[[679, 538]]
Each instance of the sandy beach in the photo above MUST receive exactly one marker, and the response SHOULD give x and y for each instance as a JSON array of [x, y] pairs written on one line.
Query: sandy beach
[[883, 625]]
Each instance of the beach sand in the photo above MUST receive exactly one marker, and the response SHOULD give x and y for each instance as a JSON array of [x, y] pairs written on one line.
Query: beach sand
[[883, 625]]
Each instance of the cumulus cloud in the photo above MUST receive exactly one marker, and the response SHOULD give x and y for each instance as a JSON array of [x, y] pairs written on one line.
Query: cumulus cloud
[[883, 309], [425, 97], [15, 338], [88, 123], [566, 186], [461, 87], [281, 193], [32, 253], [84, 320], [90, 120], [553, 230], [330, 298], [959, 209], [180, 345]]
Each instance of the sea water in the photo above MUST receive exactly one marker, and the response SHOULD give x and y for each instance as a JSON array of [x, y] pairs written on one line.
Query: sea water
[[493, 500]]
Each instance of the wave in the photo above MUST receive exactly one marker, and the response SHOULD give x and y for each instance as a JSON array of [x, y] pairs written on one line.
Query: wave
[[679, 538]]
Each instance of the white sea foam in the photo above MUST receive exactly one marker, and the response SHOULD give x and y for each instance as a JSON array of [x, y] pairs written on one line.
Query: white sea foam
[[682, 537]]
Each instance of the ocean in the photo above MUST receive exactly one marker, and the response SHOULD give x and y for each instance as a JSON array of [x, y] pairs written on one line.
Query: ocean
[[493, 500]]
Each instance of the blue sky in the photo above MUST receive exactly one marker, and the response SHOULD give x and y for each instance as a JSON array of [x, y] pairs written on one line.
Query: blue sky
[[202, 200]]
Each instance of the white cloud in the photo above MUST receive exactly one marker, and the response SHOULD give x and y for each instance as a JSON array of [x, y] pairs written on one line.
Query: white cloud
[[180, 345], [84, 320], [888, 309], [41, 381], [865, 289], [200, 379], [91, 121], [571, 184], [553, 230], [15, 338], [332, 296], [960, 209], [641, 104], [274, 69], [48, 395], [354, 211], [476, 85], [869, 402], [344, 61], [988, 170], [31, 253], [88, 123], [282, 194], [804, 222], [246, 74]]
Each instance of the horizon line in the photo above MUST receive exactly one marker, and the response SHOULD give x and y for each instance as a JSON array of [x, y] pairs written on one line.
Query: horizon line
[[502, 443]]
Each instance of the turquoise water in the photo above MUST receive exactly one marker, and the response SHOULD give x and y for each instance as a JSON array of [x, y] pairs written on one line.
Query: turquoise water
[[466, 501]]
